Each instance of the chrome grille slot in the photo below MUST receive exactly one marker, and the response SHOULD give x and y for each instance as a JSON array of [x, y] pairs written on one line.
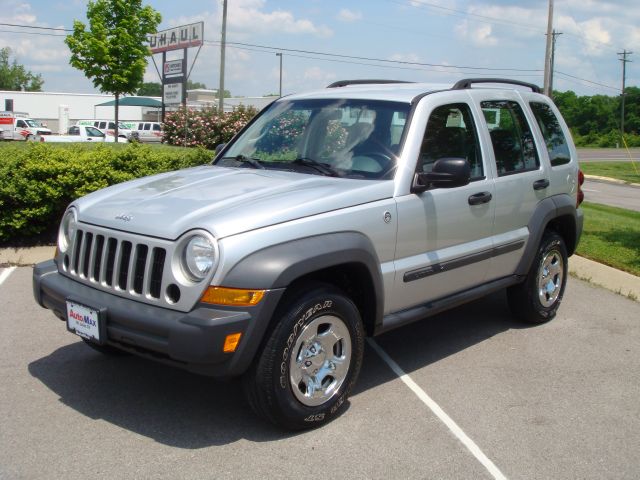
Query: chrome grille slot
[[157, 262], [97, 260], [140, 266], [111, 260], [123, 265], [86, 254], [75, 253], [133, 266]]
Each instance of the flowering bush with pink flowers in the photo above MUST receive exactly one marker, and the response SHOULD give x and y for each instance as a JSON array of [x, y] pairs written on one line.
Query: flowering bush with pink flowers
[[206, 128]]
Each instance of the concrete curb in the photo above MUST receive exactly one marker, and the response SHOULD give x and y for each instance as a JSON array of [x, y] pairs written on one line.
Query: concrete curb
[[597, 178], [596, 273], [604, 276]]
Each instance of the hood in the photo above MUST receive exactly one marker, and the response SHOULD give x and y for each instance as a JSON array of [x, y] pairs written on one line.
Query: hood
[[224, 201]]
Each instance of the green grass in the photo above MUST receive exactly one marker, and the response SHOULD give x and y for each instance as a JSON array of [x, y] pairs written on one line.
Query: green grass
[[626, 171], [611, 236]]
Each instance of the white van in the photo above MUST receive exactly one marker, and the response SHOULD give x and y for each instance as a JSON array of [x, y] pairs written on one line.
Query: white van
[[148, 131], [18, 126], [109, 126]]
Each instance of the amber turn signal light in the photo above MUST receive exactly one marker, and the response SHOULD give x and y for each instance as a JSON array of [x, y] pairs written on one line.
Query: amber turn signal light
[[231, 342], [235, 297]]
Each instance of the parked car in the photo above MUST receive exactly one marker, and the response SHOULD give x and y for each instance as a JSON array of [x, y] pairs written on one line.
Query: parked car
[[333, 215], [79, 133], [109, 127]]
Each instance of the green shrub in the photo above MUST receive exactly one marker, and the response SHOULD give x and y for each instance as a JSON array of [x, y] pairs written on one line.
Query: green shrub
[[38, 181], [611, 139], [205, 128]]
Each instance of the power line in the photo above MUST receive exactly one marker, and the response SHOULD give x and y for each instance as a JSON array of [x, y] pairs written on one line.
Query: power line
[[33, 33], [383, 60], [587, 81], [519, 72], [33, 26], [463, 13], [349, 62]]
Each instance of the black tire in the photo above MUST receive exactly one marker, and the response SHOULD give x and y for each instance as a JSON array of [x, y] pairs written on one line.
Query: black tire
[[530, 300], [105, 349], [318, 338]]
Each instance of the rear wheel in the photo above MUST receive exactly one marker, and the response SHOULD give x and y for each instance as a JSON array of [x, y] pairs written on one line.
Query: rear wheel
[[311, 360], [536, 300]]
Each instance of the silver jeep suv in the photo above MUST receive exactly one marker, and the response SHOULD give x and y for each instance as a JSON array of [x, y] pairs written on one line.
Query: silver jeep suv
[[333, 215]]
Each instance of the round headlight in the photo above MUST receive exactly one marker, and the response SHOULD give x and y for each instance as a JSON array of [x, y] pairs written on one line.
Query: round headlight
[[198, 257], [67, 227]]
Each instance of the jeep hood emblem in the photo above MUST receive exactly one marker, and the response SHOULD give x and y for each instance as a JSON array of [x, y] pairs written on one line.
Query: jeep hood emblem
[[124, 217]]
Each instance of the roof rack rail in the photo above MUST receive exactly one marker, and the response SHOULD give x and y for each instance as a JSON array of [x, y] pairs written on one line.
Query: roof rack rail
[[467, 82], [344, 83]]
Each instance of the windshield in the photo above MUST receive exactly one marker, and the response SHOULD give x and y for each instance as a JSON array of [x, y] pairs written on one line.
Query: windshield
[[32, 123], [93, 132], [345, 137]]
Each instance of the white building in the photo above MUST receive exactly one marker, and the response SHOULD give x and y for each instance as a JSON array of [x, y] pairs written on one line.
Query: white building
[[60, 110]]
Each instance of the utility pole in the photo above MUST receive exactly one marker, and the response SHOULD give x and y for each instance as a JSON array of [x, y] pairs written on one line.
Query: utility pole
[[223, 45], [280, 90], [623, 59], [547, 57], [553, 60]]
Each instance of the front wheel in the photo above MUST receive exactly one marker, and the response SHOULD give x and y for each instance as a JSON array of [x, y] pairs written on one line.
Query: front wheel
[[536, 300], [311, 360]]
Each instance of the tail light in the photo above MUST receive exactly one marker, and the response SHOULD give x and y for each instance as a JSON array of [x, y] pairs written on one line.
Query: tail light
[[580, 192]]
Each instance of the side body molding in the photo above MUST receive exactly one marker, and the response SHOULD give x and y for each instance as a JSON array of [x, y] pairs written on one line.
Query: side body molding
[[279, 265], [558, 207]]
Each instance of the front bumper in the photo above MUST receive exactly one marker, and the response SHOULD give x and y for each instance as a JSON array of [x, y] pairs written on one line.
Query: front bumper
[[192, 341]]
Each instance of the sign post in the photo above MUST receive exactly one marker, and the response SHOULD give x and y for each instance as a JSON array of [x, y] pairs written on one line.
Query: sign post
[[174, 72]]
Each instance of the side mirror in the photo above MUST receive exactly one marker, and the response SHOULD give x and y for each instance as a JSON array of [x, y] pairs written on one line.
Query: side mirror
[[219, 147], [446, 173]]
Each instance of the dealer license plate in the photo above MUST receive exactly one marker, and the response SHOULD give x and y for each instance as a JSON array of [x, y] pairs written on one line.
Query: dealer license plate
[[83, 321]]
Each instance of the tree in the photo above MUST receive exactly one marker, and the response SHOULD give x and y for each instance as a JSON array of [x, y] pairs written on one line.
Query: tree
[[15, 77], [195, 85], [150, 89], [113, 51]]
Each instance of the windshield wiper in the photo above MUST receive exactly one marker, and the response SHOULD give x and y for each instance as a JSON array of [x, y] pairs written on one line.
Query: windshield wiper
[[254, 162], [323, 168]]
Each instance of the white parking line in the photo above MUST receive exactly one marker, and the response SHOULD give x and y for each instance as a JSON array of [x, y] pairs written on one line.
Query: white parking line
[[435, 408], [6, 274]]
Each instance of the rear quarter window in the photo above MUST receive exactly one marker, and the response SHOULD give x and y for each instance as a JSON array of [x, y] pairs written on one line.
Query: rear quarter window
[[552, 133]]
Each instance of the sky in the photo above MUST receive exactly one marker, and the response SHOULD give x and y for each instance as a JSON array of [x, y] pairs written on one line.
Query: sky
[[322, 41]]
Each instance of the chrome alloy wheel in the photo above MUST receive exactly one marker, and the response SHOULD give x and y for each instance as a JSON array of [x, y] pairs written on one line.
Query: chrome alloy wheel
[[320, 360], [550, 276]]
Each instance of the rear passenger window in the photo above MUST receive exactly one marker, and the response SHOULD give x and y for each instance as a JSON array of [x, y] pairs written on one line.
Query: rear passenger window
[[147, 126], [156, 127], [511, 137], [451, 133], [552, 132]]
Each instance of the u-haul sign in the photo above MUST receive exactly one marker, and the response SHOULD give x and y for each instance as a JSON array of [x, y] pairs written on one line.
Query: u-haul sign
[[185, 36]]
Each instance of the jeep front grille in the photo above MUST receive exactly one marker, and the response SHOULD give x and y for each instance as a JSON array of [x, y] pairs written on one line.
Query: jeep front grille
[[129, 265], [123, 265]]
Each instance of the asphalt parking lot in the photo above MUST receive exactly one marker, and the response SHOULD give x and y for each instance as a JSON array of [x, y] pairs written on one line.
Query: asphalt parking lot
[[561, 400]]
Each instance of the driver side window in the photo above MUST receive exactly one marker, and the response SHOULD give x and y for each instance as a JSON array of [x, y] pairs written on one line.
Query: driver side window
[[451, 133]]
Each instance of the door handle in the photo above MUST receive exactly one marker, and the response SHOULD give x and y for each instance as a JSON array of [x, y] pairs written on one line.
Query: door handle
[[540, 184], [479, 198]]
